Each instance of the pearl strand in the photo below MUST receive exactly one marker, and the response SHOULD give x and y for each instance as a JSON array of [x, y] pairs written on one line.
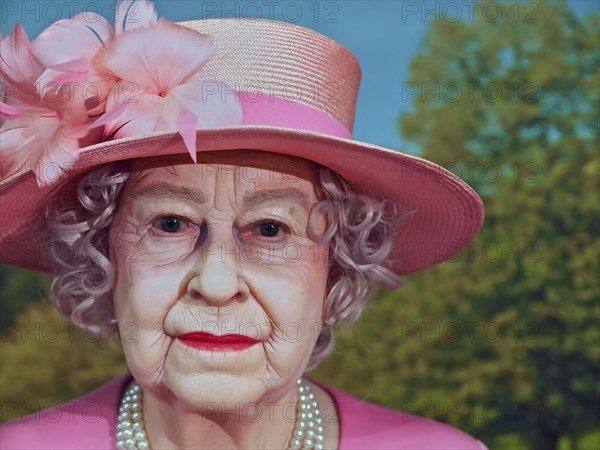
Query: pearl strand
[[131, 435], [308, 430], [130, 427]]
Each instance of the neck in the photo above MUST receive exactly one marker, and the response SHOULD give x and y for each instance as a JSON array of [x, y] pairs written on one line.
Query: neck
[[260, 425]]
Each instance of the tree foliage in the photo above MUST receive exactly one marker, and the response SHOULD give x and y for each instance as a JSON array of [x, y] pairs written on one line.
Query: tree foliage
[[47, 360], [19, 288]]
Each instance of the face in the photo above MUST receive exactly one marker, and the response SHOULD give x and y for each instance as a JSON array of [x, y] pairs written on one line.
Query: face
[[218, 248]]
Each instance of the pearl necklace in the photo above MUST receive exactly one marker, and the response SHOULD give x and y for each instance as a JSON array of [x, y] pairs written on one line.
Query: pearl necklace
[[131, 435]]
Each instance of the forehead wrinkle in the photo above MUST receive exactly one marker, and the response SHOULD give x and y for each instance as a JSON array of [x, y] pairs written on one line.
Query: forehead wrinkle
[[164, 189], [264, 195]]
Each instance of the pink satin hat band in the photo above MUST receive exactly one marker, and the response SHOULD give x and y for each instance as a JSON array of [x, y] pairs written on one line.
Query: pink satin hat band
[[269, 110]]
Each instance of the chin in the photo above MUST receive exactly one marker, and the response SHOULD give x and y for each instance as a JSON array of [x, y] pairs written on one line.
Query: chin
[[215, 391]]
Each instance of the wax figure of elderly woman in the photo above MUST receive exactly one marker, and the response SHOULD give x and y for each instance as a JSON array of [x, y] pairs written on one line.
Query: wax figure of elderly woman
[[195, 188]]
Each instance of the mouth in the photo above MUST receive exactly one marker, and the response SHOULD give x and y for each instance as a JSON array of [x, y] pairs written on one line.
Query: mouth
[[213, 343]]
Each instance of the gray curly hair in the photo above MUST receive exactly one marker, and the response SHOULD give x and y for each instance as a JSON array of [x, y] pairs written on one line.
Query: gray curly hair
[[361, 232]]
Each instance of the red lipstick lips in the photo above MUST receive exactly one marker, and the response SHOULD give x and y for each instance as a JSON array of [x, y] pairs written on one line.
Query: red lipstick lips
[[213, 343]]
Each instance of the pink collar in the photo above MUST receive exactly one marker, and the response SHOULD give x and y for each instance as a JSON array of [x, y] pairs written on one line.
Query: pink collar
[[89, 422]]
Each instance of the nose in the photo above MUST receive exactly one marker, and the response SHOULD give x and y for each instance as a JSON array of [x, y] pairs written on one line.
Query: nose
[[216, 279]]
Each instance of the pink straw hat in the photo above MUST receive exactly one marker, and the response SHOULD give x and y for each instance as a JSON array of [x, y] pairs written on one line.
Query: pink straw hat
[[151, 87]]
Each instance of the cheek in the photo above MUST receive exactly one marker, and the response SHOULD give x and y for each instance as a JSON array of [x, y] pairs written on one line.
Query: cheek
[[146, 274], [142, 301], [292, 292], [144, 295]]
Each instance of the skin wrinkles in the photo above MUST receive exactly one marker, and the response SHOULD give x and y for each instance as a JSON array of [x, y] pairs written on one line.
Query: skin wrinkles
[[179, 284]]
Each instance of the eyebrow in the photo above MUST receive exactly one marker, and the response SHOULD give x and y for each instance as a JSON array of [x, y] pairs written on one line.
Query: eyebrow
[[163, 189]]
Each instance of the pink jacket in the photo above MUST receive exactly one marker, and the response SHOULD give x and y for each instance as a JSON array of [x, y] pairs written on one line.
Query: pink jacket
[[89, 422]]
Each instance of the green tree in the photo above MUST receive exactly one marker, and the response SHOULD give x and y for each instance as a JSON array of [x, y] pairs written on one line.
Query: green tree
[[18, 288], [503, 340], [66, 361]]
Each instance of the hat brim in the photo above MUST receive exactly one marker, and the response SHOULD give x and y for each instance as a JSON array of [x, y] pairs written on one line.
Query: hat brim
[[446, 212]]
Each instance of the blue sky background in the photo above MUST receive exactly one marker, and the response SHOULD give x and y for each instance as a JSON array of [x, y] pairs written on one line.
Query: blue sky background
[[384, 36]]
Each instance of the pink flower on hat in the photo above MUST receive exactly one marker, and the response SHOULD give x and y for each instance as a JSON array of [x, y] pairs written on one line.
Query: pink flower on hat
[[67, 47], [45, 85], [153, 85], [39, 130]]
